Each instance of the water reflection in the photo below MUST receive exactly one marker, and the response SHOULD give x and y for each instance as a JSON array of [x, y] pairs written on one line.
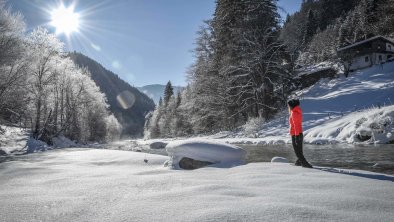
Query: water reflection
[[377, 158]]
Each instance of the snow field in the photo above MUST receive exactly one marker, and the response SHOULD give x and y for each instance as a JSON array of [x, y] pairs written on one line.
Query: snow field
[[109, 185]]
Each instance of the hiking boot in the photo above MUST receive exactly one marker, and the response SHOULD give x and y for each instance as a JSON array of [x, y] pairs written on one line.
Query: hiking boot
[[297, 163], [307, 165]]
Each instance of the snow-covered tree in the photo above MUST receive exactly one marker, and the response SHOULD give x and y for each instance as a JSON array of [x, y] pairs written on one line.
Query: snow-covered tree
[[58, 98], [13, 63], [45, 51]]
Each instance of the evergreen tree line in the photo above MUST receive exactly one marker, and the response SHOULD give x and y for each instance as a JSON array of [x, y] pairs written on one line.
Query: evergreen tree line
[[239, 73], [246, 58], [41, 88], [313, 34]]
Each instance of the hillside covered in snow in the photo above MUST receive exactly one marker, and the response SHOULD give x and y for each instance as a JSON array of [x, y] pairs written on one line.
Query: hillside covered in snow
[[357, 108]]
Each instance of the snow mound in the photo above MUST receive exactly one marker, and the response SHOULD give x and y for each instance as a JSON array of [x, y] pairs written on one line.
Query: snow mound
[[278, 159], [221, 154], [370, 126]]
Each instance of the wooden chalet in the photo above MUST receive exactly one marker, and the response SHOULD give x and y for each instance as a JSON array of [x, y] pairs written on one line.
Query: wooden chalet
[[366, 53]]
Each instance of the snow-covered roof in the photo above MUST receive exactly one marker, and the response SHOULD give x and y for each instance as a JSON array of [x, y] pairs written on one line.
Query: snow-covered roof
[[364, 41]]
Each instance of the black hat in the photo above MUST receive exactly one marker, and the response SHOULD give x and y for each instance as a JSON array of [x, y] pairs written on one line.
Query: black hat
[[293, 103]]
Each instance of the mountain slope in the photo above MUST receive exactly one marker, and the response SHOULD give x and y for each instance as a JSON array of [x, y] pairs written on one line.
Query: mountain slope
[[337, 110], [156, 91], [131, 110]]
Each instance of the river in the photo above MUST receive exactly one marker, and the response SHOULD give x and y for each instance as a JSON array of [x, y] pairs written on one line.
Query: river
[[376, 158]]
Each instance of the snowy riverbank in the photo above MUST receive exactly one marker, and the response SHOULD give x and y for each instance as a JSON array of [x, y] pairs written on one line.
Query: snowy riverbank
[[356, 109], [109, 185]]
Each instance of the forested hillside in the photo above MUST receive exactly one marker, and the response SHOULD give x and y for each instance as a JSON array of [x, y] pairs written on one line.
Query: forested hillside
[[247, 56], [313, 34], [131, 117]]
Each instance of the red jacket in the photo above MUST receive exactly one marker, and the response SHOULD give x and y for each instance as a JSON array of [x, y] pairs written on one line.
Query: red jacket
[[295, 121]]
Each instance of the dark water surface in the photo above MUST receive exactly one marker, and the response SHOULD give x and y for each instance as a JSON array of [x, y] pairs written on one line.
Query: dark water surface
[[376, 158]]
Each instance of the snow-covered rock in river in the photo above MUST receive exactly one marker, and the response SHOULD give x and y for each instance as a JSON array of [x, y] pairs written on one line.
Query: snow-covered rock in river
[[192, 154], [158, 145], [278, 159], [2, 152]]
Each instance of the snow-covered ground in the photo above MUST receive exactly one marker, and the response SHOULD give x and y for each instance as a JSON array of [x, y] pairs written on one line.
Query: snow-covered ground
[[110, 185], [12, 139], [333, 108]]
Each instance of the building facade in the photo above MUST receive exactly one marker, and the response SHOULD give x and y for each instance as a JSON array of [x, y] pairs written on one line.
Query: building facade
[[366, 53]]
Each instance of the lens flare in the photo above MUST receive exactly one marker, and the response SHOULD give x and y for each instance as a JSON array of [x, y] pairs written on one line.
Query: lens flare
[[126, 99]]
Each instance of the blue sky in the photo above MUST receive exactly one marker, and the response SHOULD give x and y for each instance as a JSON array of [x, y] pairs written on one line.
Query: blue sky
[[143, 41]]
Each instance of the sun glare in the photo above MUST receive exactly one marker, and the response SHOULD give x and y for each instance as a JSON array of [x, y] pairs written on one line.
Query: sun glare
[[65, 20]]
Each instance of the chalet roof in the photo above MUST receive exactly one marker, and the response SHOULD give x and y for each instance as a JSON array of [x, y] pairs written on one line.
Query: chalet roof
[[365, 41]]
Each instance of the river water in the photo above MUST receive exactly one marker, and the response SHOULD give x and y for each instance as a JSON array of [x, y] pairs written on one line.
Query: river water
[[376, 158]]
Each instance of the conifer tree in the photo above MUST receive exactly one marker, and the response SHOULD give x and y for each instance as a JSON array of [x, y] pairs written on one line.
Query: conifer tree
[[310, 28], [168, 92]]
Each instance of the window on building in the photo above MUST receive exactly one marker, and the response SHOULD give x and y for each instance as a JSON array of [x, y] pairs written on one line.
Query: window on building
[[366, 59]]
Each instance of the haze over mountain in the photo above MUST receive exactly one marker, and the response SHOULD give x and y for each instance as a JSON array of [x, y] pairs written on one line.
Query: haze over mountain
[[155, 91], [127, 103]]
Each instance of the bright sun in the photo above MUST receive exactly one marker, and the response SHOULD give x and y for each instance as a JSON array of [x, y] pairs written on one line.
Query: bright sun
[[65, 20]]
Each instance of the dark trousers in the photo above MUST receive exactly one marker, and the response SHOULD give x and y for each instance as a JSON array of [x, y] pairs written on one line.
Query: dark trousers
[[297, 145]]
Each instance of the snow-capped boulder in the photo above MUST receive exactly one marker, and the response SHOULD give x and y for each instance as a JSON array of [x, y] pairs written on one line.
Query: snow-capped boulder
[[278, 159], [364, 134], [158, 145], [193, 154], [2, 152]]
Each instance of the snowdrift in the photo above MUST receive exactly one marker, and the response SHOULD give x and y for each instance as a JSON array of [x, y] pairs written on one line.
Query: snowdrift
[[370, 126]]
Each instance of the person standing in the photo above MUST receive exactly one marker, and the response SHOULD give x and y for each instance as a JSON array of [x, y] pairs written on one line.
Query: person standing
[[295, 121]]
